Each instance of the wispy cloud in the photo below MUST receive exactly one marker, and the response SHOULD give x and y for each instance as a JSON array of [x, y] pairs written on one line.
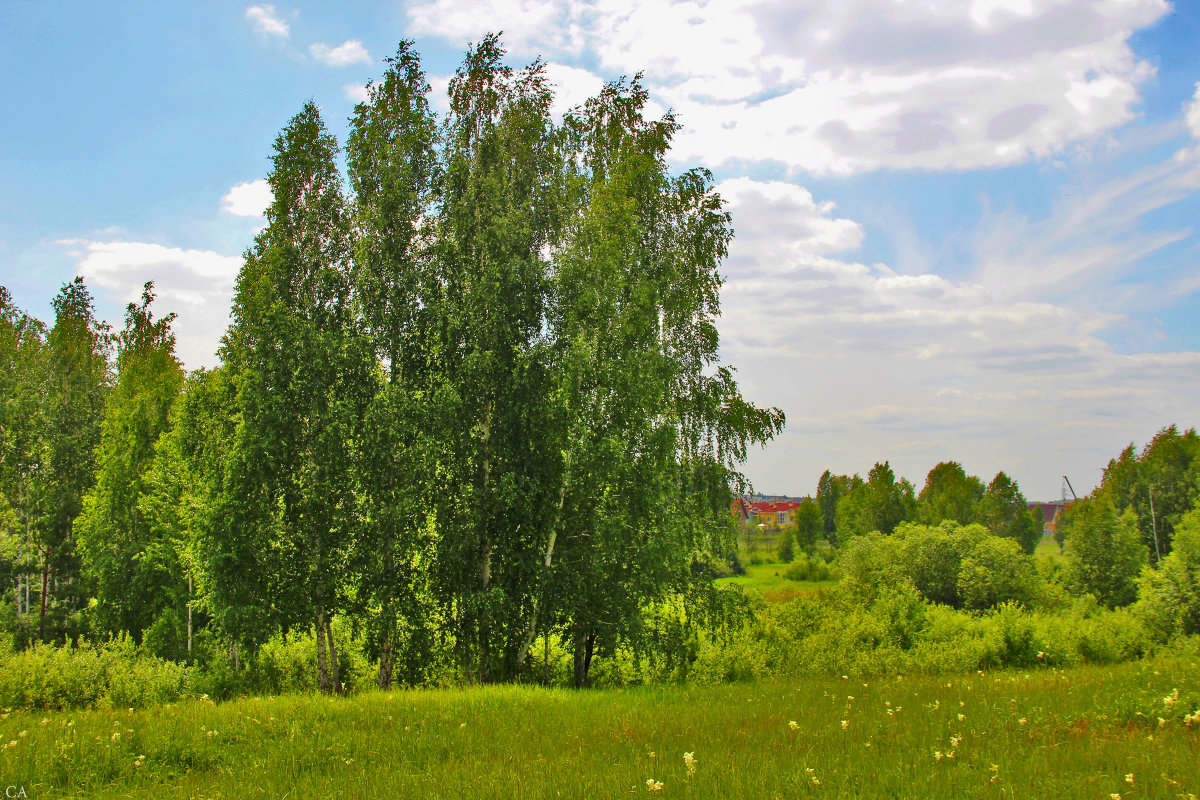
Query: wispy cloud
[[266, 21], [355, 92], [348, 52]]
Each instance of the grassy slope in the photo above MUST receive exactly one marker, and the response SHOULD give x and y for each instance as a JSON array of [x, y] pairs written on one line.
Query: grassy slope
[[1044, 734]]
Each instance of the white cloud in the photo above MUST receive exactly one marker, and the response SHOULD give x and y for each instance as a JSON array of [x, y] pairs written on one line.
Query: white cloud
[[355, 92], [266, 20], [348, 52], [195, 284], [1193, 113], [573, 87], [249, 199], [850, 86], [872, 364]]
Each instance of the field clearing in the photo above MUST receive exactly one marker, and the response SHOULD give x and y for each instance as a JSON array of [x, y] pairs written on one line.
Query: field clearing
[[769, 577], [1083, 733]]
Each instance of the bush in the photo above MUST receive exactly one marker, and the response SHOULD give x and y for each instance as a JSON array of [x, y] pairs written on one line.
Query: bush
[[112, 674], [996, 572]]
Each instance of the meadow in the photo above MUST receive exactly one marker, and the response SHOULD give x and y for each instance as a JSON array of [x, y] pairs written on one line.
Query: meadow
[[1130, 730]]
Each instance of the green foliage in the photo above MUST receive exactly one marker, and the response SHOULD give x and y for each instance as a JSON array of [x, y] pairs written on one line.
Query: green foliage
[[880, 504], [111, 674], [1004, 512], [1105, 552], [996, 572], [810, 525], [1169, 595], [76, 390], [785, 550], [949, 494], [1159, 485], [132, 573]]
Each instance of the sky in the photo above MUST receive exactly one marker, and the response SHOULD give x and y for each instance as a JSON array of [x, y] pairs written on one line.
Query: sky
[[965, 229]]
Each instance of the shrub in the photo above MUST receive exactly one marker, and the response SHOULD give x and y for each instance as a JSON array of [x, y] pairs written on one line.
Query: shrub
[[995, 572], [114, 674]]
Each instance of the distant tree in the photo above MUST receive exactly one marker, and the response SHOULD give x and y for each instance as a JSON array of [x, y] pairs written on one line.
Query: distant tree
[[830, 489], [880, 504], [78, 385], [1004, 512], [810, 524], [127, 573], [949, 494], [1105, 552]]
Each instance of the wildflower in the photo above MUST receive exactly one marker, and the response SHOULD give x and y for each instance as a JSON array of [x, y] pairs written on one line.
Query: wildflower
[[21, 735], [689, 761], [1114, 796], [1129, 779], [961, 717], [1022, 721], [845, 724], [937, 754], [809, 770], [1170, 699], [653, 785], [813, 778], [462, 725], [116, 735], [1161, 722], [792, 724]]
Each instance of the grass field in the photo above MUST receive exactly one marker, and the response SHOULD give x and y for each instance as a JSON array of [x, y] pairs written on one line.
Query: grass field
[[1084, 733], [1048, 548], [769, 577]]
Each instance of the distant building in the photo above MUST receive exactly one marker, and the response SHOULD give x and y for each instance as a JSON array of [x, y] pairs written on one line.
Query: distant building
[[765, 515], [1050, 514]]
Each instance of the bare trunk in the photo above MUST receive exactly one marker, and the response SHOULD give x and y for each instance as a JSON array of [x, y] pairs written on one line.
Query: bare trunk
[[584, 647], [45, 589], [483, 565], [547, 560], [387, 650], [387, 634], [335, 669], [322, 667], [189, 618]]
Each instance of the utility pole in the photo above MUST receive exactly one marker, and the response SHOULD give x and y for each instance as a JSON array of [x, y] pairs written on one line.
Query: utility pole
[[1154, 527]]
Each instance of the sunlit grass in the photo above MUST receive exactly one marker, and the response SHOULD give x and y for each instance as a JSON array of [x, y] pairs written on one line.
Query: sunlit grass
[[1038, 734], [769, 577]]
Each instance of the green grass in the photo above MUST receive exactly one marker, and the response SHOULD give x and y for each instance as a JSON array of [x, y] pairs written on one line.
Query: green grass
[[769, 577], [1048, 548], [1039, 734]]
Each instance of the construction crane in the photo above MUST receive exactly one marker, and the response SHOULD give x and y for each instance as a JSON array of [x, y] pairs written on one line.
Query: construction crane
[[1069, 486]]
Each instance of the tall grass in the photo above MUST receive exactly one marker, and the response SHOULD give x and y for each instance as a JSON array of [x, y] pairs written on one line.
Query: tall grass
[[1043, 733]]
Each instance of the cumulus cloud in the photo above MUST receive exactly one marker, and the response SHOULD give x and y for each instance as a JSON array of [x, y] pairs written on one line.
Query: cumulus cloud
[[348, 52], [871, 364], [839, 88], [355, 92], [573, 87], [266, 21], [249, 199], [195, 284]]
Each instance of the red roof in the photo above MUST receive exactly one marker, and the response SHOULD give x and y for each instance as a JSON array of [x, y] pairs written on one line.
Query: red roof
[[766, 507]]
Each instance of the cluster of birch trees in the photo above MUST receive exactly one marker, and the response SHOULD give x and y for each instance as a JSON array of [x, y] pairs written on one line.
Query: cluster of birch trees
[[472, 399]]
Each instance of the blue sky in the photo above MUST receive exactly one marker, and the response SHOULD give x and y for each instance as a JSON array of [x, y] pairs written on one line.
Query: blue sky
[[966, 230]]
